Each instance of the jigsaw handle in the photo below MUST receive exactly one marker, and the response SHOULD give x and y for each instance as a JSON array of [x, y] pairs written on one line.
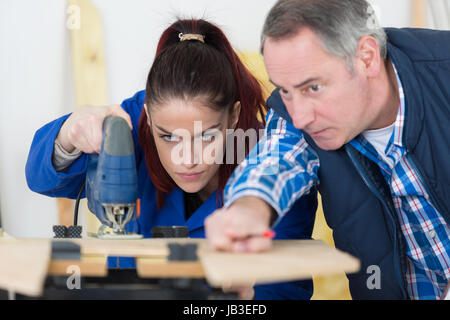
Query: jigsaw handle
[[111, 177]]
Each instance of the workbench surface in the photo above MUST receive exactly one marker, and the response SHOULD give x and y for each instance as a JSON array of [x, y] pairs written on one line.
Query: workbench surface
[[25, 263]]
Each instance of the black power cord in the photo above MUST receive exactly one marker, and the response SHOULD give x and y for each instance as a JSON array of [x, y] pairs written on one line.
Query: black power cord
[[74, 231], [77, 204]]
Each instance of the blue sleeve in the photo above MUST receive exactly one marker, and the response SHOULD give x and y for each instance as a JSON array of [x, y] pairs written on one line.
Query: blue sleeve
[[39, 170], [297, 223], [40, 173]]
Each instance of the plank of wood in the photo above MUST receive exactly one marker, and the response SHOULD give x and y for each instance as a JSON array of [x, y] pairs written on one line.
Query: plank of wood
[[130, 248], [23, 266], [161, 268], [92, 266], [122, 248], [287, 260]]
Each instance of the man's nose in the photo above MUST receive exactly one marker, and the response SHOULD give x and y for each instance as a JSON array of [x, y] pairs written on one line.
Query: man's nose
[[301, 112]]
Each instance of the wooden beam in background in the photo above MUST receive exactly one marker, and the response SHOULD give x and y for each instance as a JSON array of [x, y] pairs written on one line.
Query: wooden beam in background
[[88, 62], [419, 13], [65, 211], [88, 56]]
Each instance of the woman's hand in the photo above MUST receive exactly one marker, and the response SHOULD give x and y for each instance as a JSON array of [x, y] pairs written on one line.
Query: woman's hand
[[84, 128]]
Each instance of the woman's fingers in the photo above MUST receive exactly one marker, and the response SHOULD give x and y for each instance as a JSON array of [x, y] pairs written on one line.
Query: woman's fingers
[[96, 136], [117, 110], [84, 128]]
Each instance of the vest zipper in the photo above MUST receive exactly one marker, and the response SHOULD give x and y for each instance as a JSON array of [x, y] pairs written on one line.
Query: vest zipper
[[378, 195]]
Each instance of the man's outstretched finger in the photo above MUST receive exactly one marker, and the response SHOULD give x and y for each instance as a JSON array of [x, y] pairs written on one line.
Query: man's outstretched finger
[[214, 232], [252, 244]]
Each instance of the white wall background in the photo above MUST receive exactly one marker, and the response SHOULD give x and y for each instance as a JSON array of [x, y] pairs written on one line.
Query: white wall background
[[35, 88], [35, 73]]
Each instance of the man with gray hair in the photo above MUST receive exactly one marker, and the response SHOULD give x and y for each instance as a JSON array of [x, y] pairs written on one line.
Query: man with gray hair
[[361, 113]]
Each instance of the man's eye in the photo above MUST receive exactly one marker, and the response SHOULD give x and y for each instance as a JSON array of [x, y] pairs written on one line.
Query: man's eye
[[170, 138], [283, 91], [315, 88]]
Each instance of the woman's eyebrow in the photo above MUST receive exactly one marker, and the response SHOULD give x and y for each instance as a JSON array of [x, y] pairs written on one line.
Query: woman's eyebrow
[[162, 129], [213, 127], [168, 132]]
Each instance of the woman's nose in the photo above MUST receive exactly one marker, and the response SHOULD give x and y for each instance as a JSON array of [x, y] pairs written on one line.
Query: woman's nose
[[192, 156]]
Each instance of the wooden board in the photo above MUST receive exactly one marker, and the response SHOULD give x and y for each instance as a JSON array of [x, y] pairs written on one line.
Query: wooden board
[[130, 248], [161, 268], [287, 260], [23, 265], [92, 266], [123, 248]]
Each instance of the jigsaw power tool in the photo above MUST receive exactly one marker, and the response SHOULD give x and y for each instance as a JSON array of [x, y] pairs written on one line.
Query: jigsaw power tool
[[111, 180]]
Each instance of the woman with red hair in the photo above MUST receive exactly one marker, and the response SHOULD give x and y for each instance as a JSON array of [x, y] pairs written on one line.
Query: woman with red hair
[[197, 91]]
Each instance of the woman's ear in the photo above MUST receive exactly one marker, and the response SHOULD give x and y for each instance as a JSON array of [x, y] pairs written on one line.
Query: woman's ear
[[149, 120], [235, 114]]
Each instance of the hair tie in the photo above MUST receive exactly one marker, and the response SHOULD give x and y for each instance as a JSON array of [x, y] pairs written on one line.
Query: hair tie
[[191, 36]]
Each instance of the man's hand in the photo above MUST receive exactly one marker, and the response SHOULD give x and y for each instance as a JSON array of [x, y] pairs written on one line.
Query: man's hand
[[243, 293], [239, 228]]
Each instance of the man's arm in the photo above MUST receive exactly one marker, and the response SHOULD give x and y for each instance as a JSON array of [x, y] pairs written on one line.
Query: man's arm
[[279, 170]]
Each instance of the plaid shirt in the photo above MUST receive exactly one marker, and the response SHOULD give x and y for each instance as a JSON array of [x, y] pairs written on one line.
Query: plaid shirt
[[283, 160]]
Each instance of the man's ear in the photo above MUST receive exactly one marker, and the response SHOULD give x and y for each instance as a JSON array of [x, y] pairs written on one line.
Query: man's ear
[[368, 56], [235, 114]]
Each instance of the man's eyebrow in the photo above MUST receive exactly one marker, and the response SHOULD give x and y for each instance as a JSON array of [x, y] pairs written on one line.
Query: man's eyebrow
[[306, 82], [270, 80], [169, 133], [297, 85]]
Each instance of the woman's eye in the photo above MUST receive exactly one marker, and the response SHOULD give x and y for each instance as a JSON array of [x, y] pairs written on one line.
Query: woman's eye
[[170, 138], [207, 137]]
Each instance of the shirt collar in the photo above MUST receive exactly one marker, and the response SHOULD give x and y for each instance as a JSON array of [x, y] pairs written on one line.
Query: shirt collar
[[394, 147], [397, 135]]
